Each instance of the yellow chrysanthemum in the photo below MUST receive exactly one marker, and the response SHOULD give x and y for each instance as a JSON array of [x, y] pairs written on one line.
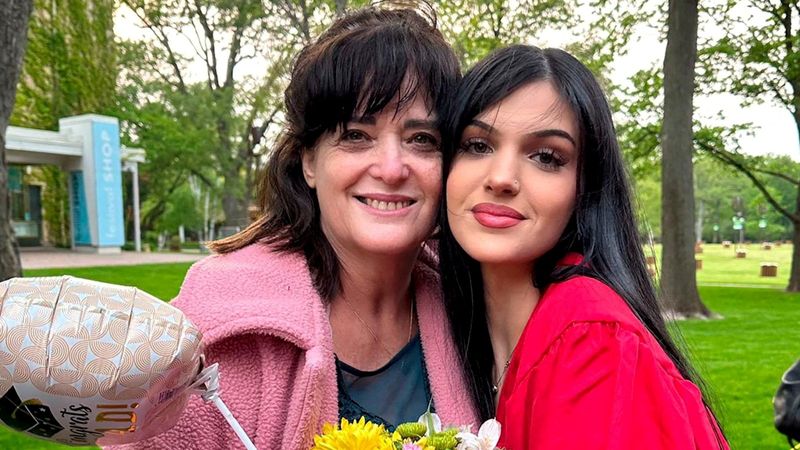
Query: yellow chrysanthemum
[[412, 429], [360, 435], [423, 444], [442, 441]]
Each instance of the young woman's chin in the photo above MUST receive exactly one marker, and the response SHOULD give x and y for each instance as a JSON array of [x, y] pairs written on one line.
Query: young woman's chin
[[508, 249], [488, 255]]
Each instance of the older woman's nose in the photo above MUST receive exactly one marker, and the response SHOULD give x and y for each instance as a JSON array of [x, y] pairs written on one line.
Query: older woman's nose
[[389, 164]]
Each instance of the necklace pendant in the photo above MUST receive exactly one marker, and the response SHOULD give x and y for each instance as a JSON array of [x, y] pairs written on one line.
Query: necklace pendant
[[494, 389]]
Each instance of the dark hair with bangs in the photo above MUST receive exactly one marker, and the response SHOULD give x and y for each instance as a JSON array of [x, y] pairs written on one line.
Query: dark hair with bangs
[[602, 227], [360, 65]]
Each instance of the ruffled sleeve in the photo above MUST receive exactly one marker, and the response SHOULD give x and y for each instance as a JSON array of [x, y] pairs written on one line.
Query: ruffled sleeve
[[603, 386]]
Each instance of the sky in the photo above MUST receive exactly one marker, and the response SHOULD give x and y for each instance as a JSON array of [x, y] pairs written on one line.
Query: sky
[[773, 128]]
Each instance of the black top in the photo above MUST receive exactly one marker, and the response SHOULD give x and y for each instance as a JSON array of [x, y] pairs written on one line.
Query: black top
[[396, 393]]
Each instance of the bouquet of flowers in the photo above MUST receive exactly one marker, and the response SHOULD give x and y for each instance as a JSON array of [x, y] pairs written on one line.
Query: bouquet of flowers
[[425, 434]]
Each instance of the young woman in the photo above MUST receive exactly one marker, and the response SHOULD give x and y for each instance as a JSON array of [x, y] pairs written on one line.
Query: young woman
[[326, 306], [545, 282]]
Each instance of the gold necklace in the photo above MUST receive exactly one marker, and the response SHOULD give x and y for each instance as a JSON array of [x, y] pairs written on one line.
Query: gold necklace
[[374, 335], [497, 384]]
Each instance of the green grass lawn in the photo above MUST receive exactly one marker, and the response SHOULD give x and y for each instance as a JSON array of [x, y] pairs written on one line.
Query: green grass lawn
[[742, 355], [160, 280], [720, 266]]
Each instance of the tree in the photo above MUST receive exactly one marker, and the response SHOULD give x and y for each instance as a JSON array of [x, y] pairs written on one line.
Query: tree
[[476, 28], [678, 278], [758, 58], [70, 62], [70, 68], [755, 169], [238, 109], [14, 15]]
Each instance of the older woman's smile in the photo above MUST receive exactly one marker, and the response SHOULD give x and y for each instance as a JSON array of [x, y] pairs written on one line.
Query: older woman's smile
[[386, 202]]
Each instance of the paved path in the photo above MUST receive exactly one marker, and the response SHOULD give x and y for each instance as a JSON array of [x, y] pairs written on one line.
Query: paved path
[[47, 258]]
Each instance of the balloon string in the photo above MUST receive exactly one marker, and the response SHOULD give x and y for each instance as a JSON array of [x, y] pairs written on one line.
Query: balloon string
[[226, 413], [207, 385]]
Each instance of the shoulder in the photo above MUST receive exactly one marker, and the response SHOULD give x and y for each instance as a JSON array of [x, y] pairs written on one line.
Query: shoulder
[[254, 289], [255, 259], [256, 267], [582, 309], [584, 299]]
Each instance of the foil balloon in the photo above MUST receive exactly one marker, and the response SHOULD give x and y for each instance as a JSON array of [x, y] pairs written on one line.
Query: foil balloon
[[83, 362]]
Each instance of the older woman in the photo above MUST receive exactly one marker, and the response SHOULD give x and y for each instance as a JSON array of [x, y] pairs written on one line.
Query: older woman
[[327, 306]]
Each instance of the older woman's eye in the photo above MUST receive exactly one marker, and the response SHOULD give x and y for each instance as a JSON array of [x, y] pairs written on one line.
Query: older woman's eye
[[424, 141], [353, 136], [476, 146]]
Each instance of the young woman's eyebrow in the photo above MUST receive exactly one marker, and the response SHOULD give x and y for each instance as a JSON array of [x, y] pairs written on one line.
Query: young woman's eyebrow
[[553, 132], [549, 132], [482, 125]]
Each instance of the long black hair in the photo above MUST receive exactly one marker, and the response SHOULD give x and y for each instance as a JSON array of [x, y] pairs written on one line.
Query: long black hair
[[602, 227]]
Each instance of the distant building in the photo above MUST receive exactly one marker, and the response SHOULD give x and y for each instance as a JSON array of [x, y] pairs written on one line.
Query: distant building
[[88, 148]]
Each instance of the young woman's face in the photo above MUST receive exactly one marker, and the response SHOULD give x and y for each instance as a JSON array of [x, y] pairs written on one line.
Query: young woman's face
[[511, 189], [378, 182]]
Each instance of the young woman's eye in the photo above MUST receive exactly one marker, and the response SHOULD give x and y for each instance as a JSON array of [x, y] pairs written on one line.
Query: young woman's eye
[[548, 158], [476, 146]]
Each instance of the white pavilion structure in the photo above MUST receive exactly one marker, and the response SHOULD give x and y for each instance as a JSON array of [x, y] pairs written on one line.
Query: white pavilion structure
[[88, 148]]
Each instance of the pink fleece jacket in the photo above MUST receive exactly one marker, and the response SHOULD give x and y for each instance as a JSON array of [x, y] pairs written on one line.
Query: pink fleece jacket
[[266, 326]]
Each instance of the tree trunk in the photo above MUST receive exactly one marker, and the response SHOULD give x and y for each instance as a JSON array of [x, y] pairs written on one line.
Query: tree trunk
[[233, 204], [678, 279], [698, 226], [794, 277], [341, 7], [14, 15], [234, 199]]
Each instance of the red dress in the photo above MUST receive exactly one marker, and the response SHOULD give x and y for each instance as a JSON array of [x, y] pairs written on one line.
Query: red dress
[[586, 374]]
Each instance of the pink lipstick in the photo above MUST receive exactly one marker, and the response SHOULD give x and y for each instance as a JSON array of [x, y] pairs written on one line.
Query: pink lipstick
[[492, 215]]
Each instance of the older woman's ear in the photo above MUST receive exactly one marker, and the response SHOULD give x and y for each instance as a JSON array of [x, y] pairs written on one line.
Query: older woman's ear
[[309, 170]]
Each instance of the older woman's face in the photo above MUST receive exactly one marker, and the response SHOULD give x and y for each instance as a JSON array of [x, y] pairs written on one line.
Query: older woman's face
[[378, 181]]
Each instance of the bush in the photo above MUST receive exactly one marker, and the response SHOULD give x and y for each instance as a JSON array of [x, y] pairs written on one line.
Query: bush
[[175, 244], [190, 245], [151, 239]]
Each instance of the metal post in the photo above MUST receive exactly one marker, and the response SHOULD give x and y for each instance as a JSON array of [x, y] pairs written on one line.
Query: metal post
[[137, 229], [71, 209]]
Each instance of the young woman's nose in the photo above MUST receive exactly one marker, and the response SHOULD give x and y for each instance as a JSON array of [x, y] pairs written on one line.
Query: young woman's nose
[[389, 164], [502, 177]]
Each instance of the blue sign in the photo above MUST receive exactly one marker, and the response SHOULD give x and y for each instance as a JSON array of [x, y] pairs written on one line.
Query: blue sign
[[108, 184], [80, 214]]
